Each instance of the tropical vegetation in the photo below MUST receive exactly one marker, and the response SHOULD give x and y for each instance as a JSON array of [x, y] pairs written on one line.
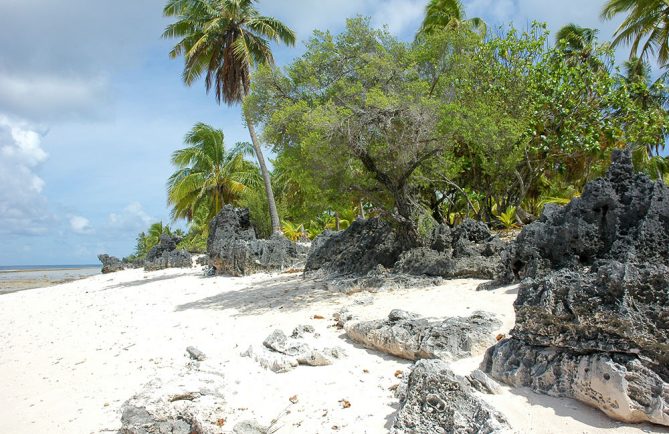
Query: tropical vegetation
[[225, 40], [459, 122]]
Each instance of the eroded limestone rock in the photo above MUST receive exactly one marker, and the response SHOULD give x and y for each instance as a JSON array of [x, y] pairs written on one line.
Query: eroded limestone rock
[[234, 250], [435, 400], [592, 315], [411, 337], [189, 404], [280, 353]]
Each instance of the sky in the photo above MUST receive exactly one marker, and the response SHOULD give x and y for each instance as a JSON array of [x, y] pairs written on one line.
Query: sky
[[91, 108]]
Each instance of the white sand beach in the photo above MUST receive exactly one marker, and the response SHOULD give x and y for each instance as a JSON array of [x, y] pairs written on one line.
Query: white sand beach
[[73, 353]]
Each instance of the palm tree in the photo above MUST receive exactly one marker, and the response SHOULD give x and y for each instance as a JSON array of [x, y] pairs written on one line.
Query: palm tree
[[225, 40], [646, 25], [443, 14], [575, 39], [578, 44], [207, 175]]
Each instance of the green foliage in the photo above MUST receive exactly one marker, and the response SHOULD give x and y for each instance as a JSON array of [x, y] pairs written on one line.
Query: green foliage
[[645, 26], [207, 175], [451, 126], [293, 231], [149, 239], [508, 218]]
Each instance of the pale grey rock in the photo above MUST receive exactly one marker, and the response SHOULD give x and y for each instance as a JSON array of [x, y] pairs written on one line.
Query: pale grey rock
[[435, 400], [250, 427], [620, 385], [195, 354], [280, 353], [483, 383], [189, 404], [411, 337], [302, 330]]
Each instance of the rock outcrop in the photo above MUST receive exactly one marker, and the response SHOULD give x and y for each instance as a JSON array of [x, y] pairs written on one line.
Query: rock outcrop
[[359, 249], [190, 404], [368, 256], [411, 337], [166, 255], [280, 353], [111, 264], [467, 251], [435, 400], [234, 250], [623, 216], [592, 315]]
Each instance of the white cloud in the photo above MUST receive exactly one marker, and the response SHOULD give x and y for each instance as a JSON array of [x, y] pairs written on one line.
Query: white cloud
[[23, 208], [133, 218], [80, 225], [53, 97], [400, 15]]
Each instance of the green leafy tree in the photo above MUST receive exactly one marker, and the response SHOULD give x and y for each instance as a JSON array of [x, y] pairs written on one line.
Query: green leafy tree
[[207, 175], [225, 40], [371, 115], [646, 26]]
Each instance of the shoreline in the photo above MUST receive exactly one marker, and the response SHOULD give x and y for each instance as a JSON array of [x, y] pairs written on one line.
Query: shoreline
[[12, 281]]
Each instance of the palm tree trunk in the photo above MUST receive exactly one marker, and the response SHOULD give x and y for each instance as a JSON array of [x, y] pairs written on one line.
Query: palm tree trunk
[[273, 213]]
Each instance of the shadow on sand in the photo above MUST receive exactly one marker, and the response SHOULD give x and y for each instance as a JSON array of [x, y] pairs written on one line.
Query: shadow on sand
[[287, 293], [570, 408]]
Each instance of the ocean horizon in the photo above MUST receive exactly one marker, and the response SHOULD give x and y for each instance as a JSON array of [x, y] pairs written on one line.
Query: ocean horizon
[[47, 267]]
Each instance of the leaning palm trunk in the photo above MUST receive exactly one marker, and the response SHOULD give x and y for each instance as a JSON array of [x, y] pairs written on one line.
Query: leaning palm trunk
[[273, 213]]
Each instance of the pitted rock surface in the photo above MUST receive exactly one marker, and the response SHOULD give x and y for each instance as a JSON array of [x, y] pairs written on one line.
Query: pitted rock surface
[[411, 337], [435, 400], [592, 315], [234, 250]]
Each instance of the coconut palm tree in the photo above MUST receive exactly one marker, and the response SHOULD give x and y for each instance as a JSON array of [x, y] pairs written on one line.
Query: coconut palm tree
[[442, 14], [575, 39], [646, 26], [207, 175], [578, 44], [224, 40]]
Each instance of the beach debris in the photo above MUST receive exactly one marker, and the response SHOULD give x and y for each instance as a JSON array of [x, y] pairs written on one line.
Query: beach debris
[[434, 399], [293, 399], [195, 354], [233, 248], [409, 336], [280, 353], [591, 312]]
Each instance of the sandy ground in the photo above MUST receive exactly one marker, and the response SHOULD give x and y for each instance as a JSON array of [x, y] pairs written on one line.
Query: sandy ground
[[72, 354]]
